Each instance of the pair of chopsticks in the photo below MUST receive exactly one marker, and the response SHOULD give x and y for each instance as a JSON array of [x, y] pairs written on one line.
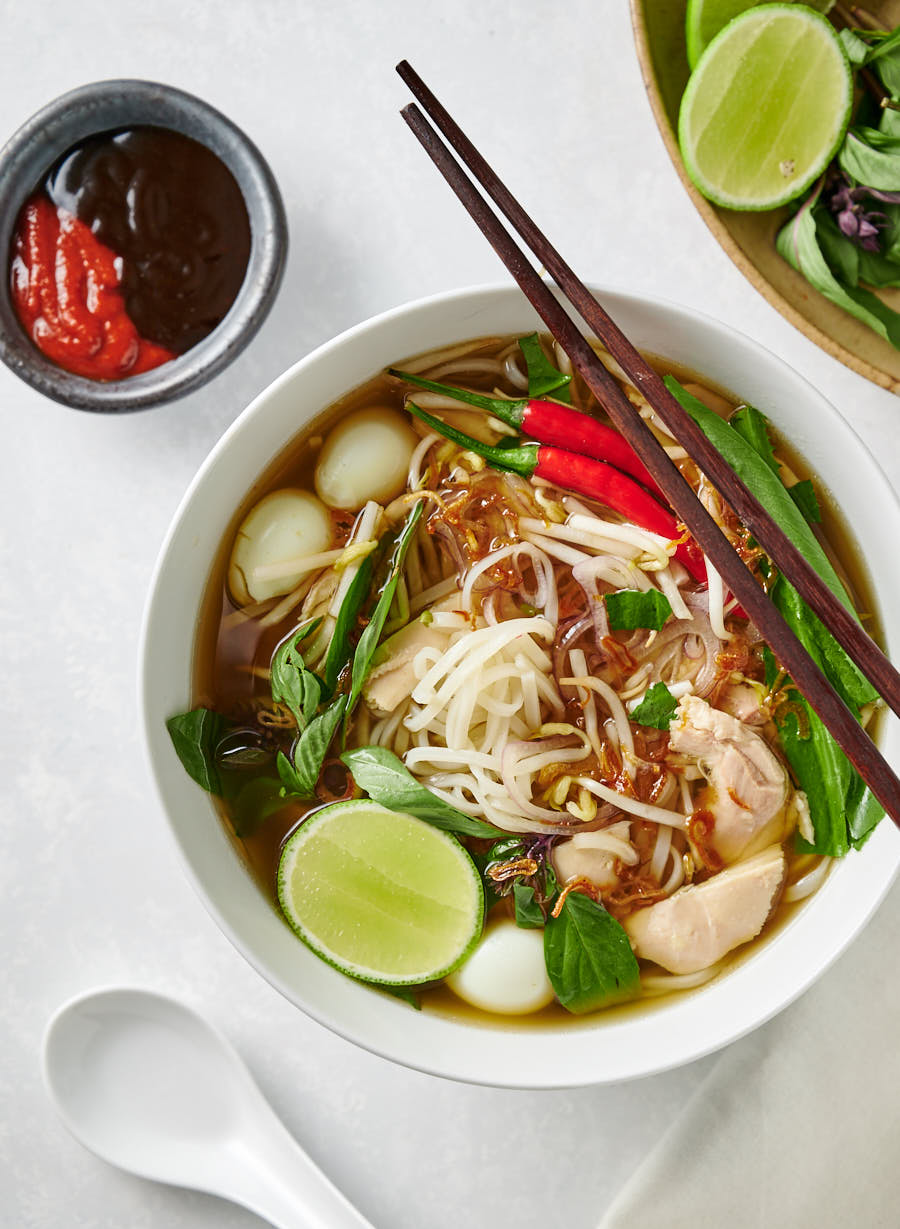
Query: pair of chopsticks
[[792, 656]]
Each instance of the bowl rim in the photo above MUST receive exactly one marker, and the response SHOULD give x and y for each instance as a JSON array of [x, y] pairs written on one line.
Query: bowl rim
[[503, 1055], [123, 102]]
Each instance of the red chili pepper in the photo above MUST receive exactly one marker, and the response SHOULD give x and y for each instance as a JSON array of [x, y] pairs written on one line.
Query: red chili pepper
[[573, 472], [552, 423]]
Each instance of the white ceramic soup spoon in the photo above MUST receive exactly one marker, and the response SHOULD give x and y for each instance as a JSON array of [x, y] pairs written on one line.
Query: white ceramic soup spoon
[[150, 1086]]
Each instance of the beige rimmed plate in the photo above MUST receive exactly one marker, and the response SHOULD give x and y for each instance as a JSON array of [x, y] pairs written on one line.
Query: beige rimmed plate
[[749, 238]]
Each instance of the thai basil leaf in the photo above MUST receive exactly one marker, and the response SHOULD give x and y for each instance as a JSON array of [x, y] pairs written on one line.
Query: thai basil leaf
[[872, 158], [629, 609], [588, 957], [301, 772], [656, 709], [852, 264], [543, 378], [879, 269], [804, 496], [292, 683], [798, 244], [505, 849], [340, 650], [840, 252], [389, 782], [368, 641], [529, 914], [195, 736], [551, 883]]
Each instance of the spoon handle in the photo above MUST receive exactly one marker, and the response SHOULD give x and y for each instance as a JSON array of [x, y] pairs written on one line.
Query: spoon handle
[[274, 1177]]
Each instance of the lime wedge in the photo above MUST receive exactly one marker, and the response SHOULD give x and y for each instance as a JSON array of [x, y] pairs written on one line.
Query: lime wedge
[[705, 18], [766, 107], [380, 895]]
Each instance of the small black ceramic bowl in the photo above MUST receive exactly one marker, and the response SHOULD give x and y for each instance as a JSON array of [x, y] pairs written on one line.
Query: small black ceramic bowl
[[102, 107]]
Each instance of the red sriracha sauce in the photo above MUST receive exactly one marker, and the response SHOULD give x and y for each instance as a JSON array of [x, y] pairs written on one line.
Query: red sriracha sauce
[[130, 251], [66, 291]]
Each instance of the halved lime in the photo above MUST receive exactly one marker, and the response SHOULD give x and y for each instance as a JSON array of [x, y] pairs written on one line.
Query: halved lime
[[705, 18], [766, 107], [379, 894]]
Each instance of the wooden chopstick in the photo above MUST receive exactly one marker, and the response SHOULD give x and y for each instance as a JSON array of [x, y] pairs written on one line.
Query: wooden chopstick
[[781, 550], [804, 672]]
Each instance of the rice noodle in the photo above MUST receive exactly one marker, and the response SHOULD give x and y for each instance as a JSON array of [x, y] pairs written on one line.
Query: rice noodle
[[666, 983], [808, 883], [471, 713]]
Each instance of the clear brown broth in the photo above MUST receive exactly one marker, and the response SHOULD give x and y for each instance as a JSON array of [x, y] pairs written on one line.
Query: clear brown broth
[[221, 654]]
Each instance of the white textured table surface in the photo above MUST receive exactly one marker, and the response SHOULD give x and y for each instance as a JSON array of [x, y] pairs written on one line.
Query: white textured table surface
[[90, 888]]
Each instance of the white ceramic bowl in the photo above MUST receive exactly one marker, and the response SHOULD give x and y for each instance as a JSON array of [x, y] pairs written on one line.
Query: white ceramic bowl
[[605, 1048]]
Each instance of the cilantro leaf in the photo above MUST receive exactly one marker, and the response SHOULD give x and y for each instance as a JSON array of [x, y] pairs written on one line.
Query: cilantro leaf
[[804, 496], [543, 378], [752, 426], [656, 709], [632, 608]]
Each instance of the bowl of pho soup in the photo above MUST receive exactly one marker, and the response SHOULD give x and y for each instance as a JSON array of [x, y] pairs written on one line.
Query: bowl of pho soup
[[442, 720]]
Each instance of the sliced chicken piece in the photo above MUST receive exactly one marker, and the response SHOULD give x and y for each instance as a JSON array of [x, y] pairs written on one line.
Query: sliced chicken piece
[[393, 676], [699, 923], [748, 786], [743, 701], [593, 855]]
